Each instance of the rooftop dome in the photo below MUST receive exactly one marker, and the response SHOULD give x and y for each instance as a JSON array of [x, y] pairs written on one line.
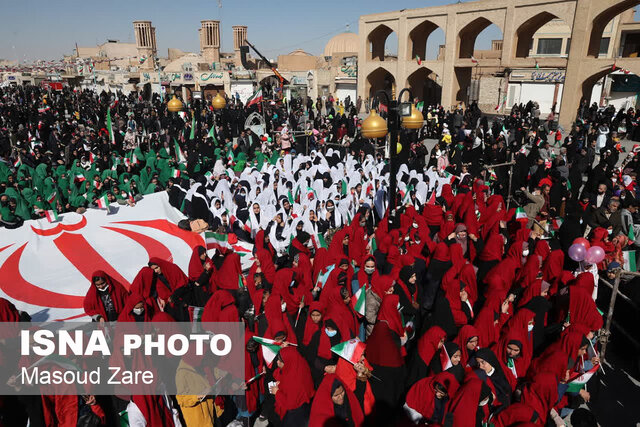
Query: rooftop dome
[[341, 43], [300, 52]]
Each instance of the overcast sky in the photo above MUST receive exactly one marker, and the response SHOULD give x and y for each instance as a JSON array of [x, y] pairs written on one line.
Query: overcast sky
[[47, 29]]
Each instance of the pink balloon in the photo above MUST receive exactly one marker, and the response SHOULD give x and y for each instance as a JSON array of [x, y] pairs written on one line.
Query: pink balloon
[[595, 255], [577, 252]]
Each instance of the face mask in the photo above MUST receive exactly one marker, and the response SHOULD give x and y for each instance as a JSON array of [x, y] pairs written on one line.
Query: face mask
[[529, 328], [103, 290], [329, 333], [330, 208], [609, 231], [138, 311], [525, 252], [283, 306], [414, 225], [484, 402], [369, 270]]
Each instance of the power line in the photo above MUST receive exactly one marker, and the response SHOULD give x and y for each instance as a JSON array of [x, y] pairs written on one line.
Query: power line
[[311, 40]]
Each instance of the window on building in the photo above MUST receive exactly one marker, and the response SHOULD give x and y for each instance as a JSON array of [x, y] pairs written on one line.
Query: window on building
[[604, 46], [549, 46], [566, 49]]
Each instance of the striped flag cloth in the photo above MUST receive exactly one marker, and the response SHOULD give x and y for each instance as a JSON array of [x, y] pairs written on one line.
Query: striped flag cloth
[[103, 202], [79, 177], [175, 173], [51, 215], [212, 135], [192, 135], [374, 245], [347, 350], [319, 241], [195, 316], [577, 381], [17, 162], [179, 154], [324, 276], [630, 261], [52, 197], [270, 349], [520, 214], [452, 178], [217, 241], [112, 137], [358, 301], [255, 98]]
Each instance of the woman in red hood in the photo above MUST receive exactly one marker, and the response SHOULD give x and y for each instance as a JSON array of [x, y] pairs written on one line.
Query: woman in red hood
[[470, 406], [339, 309], [313, 321], [276, 320], [428, 345], [221, 307], [537, 400], [136, 309], [294, 388], [514, 351], [169, 272], [427, 399], [201, 268], [468, 340], [227, 271], [105, 298], [385, 352], [600, 237], [552, 269], [335, 404], [490, 319]]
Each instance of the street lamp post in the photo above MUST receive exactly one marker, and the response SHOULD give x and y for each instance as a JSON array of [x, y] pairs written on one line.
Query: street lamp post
[[400, 113]]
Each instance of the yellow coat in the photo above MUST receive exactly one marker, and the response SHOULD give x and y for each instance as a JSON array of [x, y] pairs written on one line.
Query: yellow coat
[[190, 385]]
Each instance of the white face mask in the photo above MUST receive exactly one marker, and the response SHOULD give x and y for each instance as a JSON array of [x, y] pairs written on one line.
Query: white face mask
[[414, 225], [525, 252], [138, 311], [529, 328], [484, 402], [105, 289], [284, 306], [369, 270]]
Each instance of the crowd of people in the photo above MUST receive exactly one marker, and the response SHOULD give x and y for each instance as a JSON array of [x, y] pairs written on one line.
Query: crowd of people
[[459, 290]]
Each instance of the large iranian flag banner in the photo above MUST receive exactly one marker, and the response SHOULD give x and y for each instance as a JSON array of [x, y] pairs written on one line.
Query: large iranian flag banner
[[46, 267]]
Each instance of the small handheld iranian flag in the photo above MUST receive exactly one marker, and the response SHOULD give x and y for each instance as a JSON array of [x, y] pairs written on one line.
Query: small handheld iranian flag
[[175, 173], [270, 349], [179, 154], [103, 202], [212, 135], [319, 241], [112, 137], [195, 315], [520, 214], [577, 381], [630, 234], [451, 177], [17, 162], [255, 98], [51, 215], [347, 350], [52, 197], [630, 261], [358, 301], [324, 276], [374, 245], [217, 240]]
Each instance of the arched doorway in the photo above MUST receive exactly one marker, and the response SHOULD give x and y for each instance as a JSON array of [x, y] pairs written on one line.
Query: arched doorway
[[380, 79], [425, 40], [479, 34], [619, 88], [424, 86], [596, 46], [526, 32], [383, 44]]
